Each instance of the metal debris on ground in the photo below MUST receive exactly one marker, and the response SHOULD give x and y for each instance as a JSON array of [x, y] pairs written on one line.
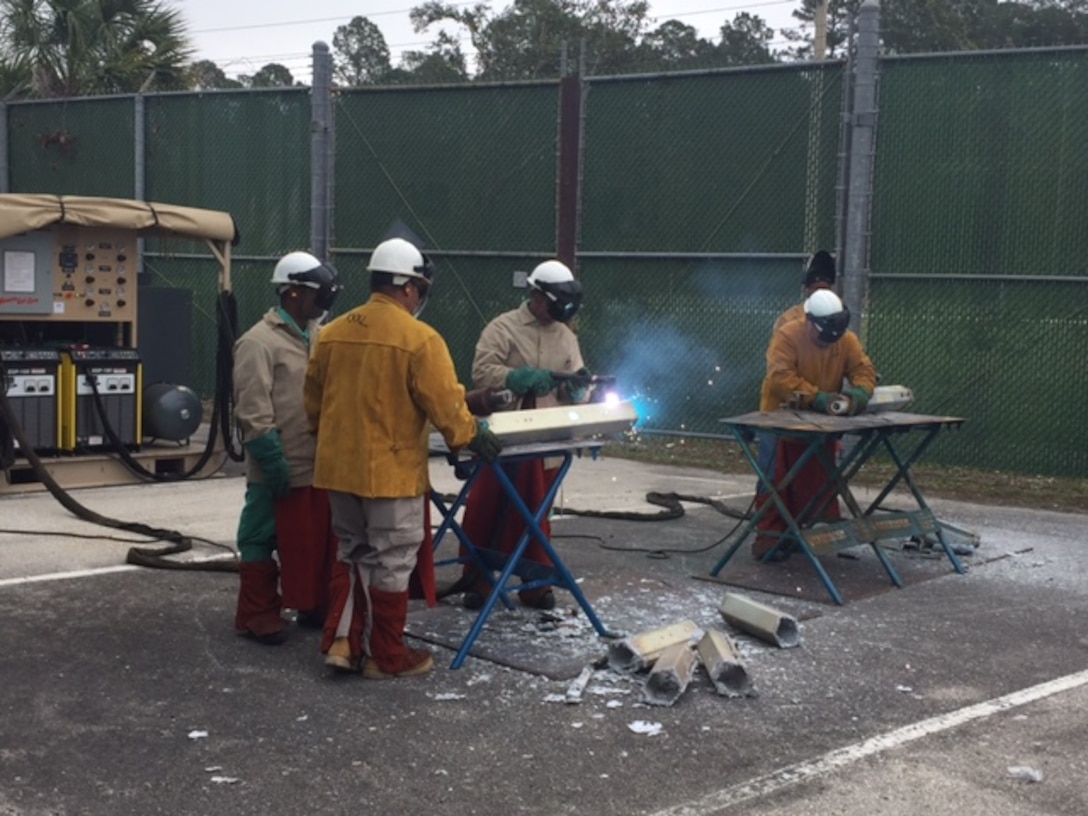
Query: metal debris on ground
[[638, 652], [669, 677], [723, 662], [578, 685], [760, 620]]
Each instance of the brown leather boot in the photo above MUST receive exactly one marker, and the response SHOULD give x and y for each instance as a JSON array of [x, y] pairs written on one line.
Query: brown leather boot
[[258, 611], [389, 656]]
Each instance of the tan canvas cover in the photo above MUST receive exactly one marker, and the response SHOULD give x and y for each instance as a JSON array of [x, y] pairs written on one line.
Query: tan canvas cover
[[21, 212]]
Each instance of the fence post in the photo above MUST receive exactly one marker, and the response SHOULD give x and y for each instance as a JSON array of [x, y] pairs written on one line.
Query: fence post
[[321, 157], [139, 175], [568, 187], [4, 176], [855, 268]]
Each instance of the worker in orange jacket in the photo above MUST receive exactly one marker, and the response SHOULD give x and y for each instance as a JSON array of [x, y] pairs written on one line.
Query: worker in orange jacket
[[811, 364]]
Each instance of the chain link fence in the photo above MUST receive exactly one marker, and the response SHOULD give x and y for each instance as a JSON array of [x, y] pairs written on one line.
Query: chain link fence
[[979, 292], [700, 196]]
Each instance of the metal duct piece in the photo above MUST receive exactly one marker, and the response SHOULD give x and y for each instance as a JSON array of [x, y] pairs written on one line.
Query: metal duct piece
[[760, 620]]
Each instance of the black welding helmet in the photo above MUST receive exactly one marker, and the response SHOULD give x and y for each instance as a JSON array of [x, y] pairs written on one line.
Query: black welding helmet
[[556, 282], [304, 269], [828, 314]]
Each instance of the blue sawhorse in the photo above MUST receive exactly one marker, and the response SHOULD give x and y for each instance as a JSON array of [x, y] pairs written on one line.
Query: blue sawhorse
[[559, 574], [868, 525]]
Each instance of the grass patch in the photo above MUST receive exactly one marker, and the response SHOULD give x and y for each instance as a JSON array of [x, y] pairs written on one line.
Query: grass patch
[[936, 481]]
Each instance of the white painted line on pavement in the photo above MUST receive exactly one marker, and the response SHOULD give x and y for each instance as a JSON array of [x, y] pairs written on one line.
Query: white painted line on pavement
[[61, 576], [804, 771]]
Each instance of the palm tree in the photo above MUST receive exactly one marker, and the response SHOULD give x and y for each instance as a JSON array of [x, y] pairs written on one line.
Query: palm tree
[[55, 48]]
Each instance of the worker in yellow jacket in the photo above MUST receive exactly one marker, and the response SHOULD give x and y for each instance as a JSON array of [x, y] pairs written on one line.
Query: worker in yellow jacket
[[376, 378], [813, 363]]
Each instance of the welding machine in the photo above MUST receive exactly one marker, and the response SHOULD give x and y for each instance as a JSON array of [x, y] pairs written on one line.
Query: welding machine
[[32, 387], [116, 375]]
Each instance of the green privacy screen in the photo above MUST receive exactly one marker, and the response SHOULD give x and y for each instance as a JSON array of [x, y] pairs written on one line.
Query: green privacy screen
[[981, 202]]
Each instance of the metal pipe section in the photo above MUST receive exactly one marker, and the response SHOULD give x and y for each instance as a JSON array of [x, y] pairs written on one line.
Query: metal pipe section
[[855, 265], [320, 153]]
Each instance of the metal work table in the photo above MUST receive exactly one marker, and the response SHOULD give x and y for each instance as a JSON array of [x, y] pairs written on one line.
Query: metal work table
[[888, 431], [470, 467]]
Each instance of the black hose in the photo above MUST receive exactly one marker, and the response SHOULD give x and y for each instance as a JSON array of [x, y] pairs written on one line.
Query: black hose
[[222, 415]]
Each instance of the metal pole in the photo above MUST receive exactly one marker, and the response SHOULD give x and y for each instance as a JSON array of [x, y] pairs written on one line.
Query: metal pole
[[4, 180], [320, 152], [139, 176], [855, 266]]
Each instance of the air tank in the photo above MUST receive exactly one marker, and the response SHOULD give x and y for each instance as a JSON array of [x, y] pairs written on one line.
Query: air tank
[[171, 412]]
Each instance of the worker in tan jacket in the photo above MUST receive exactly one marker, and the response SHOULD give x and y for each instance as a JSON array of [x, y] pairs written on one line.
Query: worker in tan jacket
[[521, 350], [377, 377], [808, 362], [283, 514]]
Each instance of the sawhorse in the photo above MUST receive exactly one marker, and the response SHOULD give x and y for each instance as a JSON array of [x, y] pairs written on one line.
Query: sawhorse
[[868, 525], [559, 575]]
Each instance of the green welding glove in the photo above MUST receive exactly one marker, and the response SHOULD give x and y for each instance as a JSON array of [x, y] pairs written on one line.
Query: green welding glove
[[577, 393], [821, 403], [267, 451], [859, 399], [485, 444], [526, 380]]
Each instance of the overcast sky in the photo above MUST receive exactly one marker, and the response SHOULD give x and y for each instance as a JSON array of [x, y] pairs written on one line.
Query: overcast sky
[[244, 35]]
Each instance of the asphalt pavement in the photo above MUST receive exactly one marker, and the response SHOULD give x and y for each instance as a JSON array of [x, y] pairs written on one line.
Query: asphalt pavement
[[126, 691]]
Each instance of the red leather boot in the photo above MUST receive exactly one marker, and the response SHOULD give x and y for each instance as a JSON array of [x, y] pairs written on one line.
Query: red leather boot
[[389, 656], [258, 612]]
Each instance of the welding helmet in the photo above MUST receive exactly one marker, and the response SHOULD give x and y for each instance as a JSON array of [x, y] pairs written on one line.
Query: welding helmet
[[820, 270], [403, 262], [828, 314], [556, 282], [303, 269]]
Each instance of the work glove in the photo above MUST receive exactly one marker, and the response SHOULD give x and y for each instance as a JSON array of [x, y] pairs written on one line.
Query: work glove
[[859, 399], [485, 444], [529, 380], [267, 451], [821, 403], [578, 388]]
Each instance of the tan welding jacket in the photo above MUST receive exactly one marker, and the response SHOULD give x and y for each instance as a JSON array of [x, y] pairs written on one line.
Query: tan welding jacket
[[796, 362], [377, 375]]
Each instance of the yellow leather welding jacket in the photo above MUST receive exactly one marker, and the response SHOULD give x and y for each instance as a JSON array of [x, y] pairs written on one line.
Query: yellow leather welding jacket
[[377, 375], [796, 362]]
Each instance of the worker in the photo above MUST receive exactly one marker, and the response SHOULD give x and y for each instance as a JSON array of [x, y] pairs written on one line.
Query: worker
[[814, 364], [376, 378], [283, 514], [520, 350], [819, 274]]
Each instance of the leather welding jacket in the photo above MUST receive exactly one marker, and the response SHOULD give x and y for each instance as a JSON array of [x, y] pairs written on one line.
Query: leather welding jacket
[[515, 339], [795, 312], [377, 375], [796, 362], [269, 368]]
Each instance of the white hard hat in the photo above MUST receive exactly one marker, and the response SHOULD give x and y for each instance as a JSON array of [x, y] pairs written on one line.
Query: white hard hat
[[304, 269], [400, 258], [292, 268], [826, 311], [556, 282], [823, 303], [550, 272]]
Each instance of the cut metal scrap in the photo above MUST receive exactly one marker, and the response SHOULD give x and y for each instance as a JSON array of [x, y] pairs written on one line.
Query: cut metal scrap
[[670, 675], [638, 652], [760, 620], [724, 664]]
